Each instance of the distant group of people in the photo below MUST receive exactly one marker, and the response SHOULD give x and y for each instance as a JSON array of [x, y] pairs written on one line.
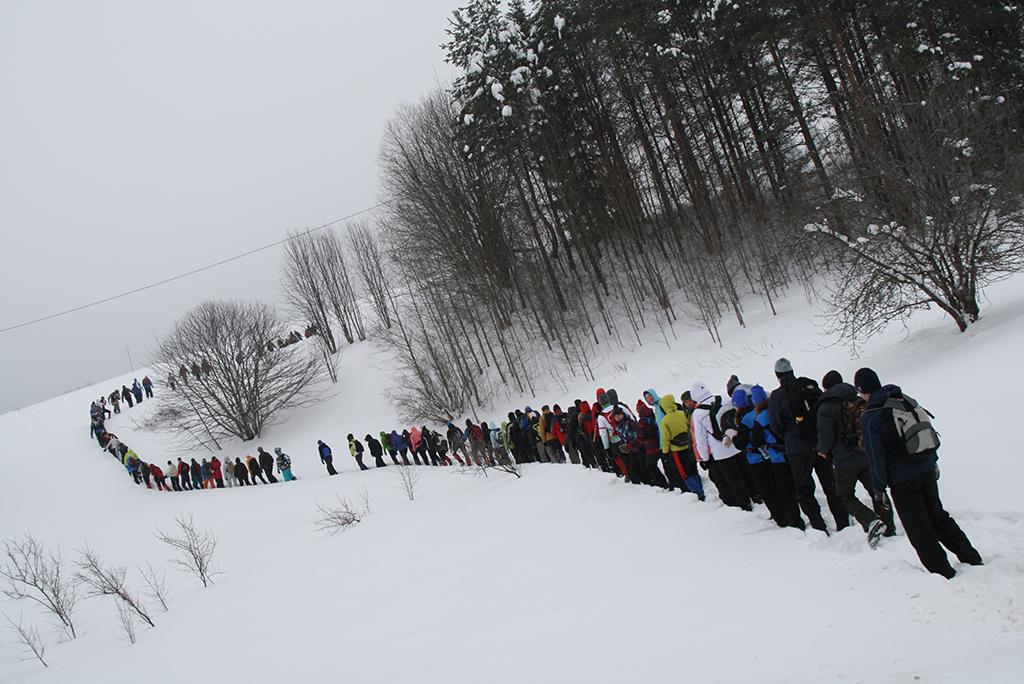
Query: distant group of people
[[757, 447], [99, 412]]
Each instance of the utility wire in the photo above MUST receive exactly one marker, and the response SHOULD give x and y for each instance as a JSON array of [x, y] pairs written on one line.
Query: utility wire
[[188, 273]]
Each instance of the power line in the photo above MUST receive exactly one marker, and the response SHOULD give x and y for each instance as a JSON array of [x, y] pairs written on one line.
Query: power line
[[188, 273]]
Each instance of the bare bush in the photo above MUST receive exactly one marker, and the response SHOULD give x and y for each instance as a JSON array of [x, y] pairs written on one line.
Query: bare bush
[[196, 549], [236, 379], [156, 584], [105, 580], [342, 515], [408, 477], [127, 620], [28, 637], [33, 574]]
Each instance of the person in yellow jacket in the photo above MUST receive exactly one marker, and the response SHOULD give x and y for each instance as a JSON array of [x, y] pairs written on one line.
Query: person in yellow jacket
[[675, 445]]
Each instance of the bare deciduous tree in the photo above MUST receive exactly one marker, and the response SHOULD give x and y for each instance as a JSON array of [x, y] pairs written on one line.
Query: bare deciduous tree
[[408, 478], [127, 619], [372, 269], [36, 575], [28, 637], [342, 515], [105, 580], [156, 584], [196, 549], [235, 379]]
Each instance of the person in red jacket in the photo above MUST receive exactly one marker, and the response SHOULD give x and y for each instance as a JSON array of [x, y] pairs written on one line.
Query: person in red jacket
[[216, 472], [647, 434], [158, 477]]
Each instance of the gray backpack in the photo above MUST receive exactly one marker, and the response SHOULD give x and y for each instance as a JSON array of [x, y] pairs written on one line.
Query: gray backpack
[[913, 425]]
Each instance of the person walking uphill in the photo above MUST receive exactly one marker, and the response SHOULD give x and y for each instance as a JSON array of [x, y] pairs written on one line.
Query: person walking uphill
[[267, 464], [792, 407], [680, 465], [840, 438], [713, 444], [356, 449], [376, 450], [255, 470], [326, 457], [284, 465], [902, 450]]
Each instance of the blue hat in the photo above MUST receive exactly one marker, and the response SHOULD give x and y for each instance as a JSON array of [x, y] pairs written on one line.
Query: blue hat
[[758, 395], [739, 398]]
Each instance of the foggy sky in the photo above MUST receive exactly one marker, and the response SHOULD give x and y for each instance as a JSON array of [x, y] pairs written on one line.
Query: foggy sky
[[141, 139]]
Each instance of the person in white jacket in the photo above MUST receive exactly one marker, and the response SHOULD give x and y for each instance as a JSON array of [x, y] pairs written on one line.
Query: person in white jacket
[[228, 470], [724, 461]]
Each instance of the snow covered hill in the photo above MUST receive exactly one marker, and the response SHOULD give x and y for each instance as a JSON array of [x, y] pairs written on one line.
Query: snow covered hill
[[562, 576]]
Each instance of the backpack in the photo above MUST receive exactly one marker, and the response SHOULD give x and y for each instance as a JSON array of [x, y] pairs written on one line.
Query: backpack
[[913, 426], [626, 429], [720, 421], [850, 432], [803, 394]]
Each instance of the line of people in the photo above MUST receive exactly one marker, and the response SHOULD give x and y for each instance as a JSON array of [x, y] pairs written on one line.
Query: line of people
[[129, 395]]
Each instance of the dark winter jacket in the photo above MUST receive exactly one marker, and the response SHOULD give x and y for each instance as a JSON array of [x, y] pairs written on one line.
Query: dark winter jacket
[[241, 473], [266, 460], [325, 452], [784, 422], [397, 443], [197, 472], [126, 394], [647, 429], [146, 382], [830, 429], [883, 446], [376, 449]]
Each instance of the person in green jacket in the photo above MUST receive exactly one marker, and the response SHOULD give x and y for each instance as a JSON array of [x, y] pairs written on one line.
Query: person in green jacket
[[675, 447]]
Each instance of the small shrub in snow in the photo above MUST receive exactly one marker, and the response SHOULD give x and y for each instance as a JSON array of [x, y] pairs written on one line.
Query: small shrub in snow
[[343, 515], [28, 637], [36, 575], [196, 548]]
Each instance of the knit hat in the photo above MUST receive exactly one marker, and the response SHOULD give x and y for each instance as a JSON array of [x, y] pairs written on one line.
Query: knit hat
[[783, 366], [277, 450], [758, 395], [740, 399], [866, 381], [699, 392], [731, 384], [831, 379]]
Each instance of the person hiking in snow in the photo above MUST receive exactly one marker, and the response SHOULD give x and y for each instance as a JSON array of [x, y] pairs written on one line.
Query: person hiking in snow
[[284, 465], [794, 420], [196, 472], [415, 436], [241, 473], [229, 474], [456, 442], [183, 374], [428, 449], [680, 465], [840, 441], [179, 470], [132, 466], [216, 473], [171, 382], [158, 478], [647, 434], [266, 464], [206, 472], [115, 401], [907, 462], [255, 470], [385, 441], [326, 457], [403, 448], [376, 450], [137, 390], [147, 387], [127, 396], [713, 429], [758, 464], [169, 474], [356, 449]]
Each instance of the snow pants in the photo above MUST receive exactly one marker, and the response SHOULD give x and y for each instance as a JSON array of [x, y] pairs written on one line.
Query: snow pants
[[379, 461], [174, 484], [787, 494], [329, 462], [362, 466], [846, 483], [929, 527], [287, 475], [730, 470], [269, 471], [804, 466], [574, 453], [764, 480]]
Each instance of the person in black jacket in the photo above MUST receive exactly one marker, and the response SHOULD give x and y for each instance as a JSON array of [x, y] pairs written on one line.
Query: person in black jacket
[[326, 457], [127, 396], [792, 427], [376, 450], [266, 464], [241, 473], [914, 481], [839, 441]]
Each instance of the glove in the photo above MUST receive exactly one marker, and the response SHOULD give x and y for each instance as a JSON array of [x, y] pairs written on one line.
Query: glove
[[703, 465]]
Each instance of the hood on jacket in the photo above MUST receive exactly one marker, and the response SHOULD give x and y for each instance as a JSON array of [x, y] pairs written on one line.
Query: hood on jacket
[[878, 397], [668, 403], [643, 410], [654, 396], [841, 391], [585, 407], [699, 392]]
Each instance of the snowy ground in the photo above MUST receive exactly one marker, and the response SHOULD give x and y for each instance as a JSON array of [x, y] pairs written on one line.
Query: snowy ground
[[565, 575]]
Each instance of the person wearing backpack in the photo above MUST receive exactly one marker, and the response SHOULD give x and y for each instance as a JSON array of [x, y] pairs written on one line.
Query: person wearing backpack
[[355, 448], [758, 465], [902, 448], [647, 432], [675, 446], [794, 420], [713, 429], [840, 441]]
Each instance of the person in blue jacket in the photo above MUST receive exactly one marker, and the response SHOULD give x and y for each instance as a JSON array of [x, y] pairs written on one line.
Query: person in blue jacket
[[771, 445], [654, 401], [914, 481], [399, 444], [757, 458], [326, 457]]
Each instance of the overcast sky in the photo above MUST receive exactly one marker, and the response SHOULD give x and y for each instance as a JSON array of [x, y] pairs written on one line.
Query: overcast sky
[[140, 139]]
